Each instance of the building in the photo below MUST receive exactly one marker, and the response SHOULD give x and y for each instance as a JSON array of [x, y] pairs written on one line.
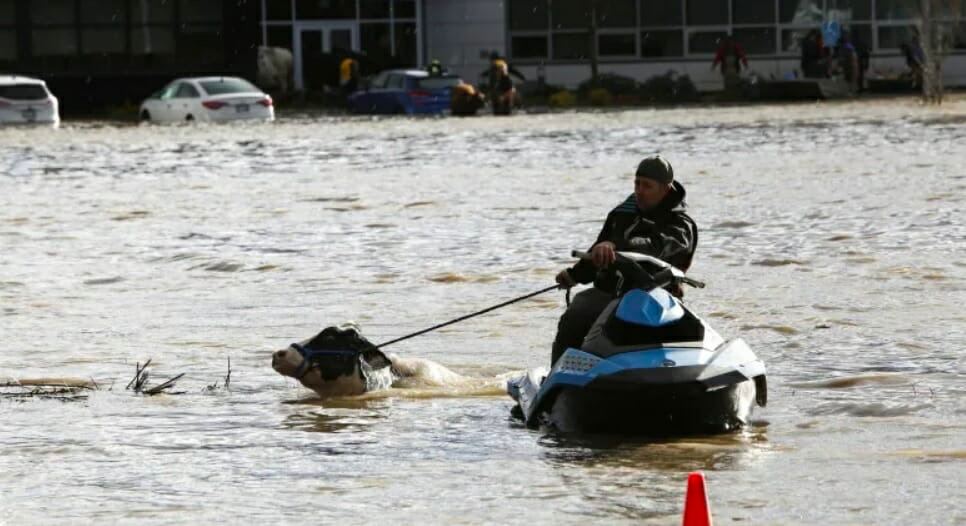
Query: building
[[634, 38]]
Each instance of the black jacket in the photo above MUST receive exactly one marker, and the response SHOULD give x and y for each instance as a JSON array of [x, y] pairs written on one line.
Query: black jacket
[[665, 231]]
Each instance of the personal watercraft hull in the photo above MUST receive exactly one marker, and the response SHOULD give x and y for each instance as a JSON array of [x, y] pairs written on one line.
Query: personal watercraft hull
[[656, 391]]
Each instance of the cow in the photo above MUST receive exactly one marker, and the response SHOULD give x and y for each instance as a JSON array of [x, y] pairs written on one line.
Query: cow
[[339, 361], [274, 68]]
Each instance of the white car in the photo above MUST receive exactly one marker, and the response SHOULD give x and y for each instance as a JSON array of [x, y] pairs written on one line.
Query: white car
[[208, 99], [25, 100]]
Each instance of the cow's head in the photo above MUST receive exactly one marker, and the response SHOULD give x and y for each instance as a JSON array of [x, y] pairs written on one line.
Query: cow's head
[[336, 362]]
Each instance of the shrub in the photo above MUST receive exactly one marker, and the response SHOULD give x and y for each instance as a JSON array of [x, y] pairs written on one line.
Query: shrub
[[600, 97], [669, 87], [563, 99], [616, 85]]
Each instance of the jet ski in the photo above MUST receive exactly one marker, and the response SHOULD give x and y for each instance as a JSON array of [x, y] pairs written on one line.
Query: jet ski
[[648, 365]]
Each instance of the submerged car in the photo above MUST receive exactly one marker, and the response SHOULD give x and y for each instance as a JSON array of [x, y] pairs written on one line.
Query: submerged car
[[407, 91], [208, 99], [26, 100]]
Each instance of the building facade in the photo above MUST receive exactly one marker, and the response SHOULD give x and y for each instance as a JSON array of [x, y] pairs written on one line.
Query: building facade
[[634, 38]]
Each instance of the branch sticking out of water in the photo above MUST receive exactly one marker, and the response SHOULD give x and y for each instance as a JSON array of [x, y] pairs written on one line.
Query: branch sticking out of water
[[214, 386], [140, 380], [48, 388]]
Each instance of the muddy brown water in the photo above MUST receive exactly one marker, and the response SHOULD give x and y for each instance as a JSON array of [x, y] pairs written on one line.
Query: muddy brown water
[[833, 239]]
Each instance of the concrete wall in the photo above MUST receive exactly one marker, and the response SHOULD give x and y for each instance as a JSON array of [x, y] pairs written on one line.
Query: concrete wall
[[461, 33]]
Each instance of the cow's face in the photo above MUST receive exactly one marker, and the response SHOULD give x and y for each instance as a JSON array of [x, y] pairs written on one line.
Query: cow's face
[[336, 376], [334, 372]]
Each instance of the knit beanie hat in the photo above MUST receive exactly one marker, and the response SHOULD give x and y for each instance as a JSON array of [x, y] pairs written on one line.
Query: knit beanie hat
[[656, 168]]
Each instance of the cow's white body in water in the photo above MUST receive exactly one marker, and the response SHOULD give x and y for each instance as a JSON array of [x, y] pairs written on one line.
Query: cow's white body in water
[[274, 68], [340, 362]]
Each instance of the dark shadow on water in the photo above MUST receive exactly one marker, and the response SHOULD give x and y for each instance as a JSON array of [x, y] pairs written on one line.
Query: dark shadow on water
[[336, 415], [655, 453]]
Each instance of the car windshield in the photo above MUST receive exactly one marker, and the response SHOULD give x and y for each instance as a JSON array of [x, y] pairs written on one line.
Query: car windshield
[[438, 82], [228, 85], [23, 92]]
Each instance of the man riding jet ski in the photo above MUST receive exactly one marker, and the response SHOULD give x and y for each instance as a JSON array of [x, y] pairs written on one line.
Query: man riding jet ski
[[648, 365]]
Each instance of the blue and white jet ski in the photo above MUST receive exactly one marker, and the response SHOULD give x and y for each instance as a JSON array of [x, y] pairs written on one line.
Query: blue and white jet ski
[[648, 365]]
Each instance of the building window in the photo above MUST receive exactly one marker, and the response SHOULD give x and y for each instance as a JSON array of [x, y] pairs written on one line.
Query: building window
[[54, 42], [278, 36], [195, 12], [753, 11], [375, 40], [792, 39], [801, 12], [406, 43], [52, 12], [8, 33], [278, 10], [103, 40], [705, 42], [846, 10], [706, 12], [892, 37], [150, 40], [756, 40], [103, 12], [373, 9], [610, 45], [152, 32], [200, 45], [529, 47], [661, 13], [571, 46], [309, 9], [404, 9], [662, 44], [570, 14], [895, 10], [529, 14], [861, 35], [7, 12], [8, 45], [617, 13], [152, 11]]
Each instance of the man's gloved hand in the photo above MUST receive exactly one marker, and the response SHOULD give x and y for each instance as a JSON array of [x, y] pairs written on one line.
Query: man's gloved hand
[[603, 254], [565, 280]]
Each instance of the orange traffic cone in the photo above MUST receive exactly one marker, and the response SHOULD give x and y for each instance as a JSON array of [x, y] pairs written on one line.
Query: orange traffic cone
[[697, 511]]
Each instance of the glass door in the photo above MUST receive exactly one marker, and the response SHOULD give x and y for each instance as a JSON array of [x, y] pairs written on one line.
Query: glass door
[[319, 46]]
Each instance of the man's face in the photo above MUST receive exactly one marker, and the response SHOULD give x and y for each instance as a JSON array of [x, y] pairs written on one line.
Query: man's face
[[649, 192]]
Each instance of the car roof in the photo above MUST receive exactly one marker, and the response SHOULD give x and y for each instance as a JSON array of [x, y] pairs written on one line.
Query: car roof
[[19, 79], [208, 79], [417, 73]]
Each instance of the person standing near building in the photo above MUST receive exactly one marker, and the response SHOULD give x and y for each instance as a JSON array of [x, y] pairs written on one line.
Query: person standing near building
[[499, 84], [731, 56], [348, 75]]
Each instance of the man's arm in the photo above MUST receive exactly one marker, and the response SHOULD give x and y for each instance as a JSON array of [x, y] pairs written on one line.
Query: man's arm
[[585, 271], [674, 242]]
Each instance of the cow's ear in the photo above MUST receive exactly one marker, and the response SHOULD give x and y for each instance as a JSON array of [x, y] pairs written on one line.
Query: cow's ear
[[376, 359]]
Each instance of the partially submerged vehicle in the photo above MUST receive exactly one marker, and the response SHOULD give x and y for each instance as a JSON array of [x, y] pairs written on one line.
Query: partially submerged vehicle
[[648, 365], [26, 100]]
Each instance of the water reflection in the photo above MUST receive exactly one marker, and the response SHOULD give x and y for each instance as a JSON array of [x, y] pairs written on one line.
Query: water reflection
[[337, 415], [668, 454]]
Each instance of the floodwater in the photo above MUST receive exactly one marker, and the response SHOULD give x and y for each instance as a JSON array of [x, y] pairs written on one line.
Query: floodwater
[[833, 240]]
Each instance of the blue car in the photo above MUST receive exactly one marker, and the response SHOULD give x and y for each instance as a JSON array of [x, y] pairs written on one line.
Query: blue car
[[406, 91]]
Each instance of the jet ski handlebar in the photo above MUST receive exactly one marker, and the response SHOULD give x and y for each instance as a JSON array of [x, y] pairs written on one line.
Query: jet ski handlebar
[[666, 273]]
